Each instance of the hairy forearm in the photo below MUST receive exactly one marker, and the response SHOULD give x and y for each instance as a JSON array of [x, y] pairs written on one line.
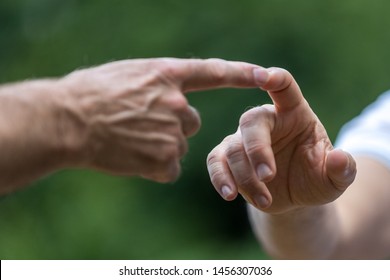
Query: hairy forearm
[[32, 143], [307, 233]]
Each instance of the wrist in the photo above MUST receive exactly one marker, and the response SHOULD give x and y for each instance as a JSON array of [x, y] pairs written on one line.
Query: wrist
[[71, 127], [299, 215]]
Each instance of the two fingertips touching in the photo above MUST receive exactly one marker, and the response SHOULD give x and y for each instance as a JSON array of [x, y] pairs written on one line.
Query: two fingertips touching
[[261, 76]]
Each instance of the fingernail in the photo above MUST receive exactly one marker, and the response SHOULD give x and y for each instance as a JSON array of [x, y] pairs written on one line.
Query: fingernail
[[261, 76], [349, 175], [263, 171], [226, 192], [261, 201]]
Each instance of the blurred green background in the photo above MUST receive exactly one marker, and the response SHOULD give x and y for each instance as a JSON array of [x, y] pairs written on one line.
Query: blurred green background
[[337, 50]]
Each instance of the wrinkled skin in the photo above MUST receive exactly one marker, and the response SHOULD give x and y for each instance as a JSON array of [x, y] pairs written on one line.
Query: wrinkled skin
[[281, 157]]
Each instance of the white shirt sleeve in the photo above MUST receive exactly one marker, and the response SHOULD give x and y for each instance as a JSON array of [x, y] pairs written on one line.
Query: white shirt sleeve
[[369, 133]]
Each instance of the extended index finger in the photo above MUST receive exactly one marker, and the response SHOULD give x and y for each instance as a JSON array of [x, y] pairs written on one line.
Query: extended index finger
[[281, 86], [203, 74]]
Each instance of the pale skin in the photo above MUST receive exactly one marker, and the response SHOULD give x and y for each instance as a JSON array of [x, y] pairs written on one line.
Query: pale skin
[[127, 117], [306, 199]]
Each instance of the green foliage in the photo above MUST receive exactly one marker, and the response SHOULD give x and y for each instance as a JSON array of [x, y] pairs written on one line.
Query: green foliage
[[337, 50]]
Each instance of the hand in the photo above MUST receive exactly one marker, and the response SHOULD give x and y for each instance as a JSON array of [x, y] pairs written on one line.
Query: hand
[[280, 158], [132, 118]]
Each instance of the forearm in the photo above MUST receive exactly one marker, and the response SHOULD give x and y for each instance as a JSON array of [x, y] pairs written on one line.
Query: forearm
[[306, 233], [355, 226], [33, 142]]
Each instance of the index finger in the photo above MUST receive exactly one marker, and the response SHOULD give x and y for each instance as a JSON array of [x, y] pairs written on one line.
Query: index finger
[[281, 86], [202, 74]]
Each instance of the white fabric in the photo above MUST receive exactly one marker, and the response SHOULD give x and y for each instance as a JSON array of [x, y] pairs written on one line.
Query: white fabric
[[369, 133]]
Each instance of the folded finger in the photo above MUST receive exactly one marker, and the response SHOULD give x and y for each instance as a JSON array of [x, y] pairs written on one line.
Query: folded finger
[[219, 171], [190, 121], [256, 126], [253, 190]]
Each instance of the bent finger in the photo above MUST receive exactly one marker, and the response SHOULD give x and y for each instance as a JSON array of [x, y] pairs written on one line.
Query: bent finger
[[191, 121], [256, 126], [163, 173], [187, 115], [219, 172], [253, 190]]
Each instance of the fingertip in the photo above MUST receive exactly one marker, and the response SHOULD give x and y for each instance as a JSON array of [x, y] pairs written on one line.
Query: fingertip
[[261, 76], [167, 174], [196, 123], [281, 86], [220, 174], [341, 167], [264, 172], [260, 201], [337, 160], [228, 193]]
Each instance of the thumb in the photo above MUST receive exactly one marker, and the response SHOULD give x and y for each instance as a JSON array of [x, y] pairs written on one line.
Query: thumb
[[341, 168]]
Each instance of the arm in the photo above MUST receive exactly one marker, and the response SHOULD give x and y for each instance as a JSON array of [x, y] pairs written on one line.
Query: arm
[[302, 202], [31, 142], [127, 117], [355, 226]]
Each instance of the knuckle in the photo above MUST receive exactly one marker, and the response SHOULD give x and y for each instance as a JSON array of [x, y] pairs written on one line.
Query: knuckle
[[176, 102], [179, 102], [235, 151], [247, 181], [168, 173], [216, 175], [255, 114], [168, 67], [168, 153], [171, 175], [216, 60], [251, 116], [166, 168], [247, 118], [173, 150], [285, 81], [213, 158], [229, 138], [255, 148], [218, 69]]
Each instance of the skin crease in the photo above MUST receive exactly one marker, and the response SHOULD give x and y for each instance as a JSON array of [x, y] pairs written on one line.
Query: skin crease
[[306, 199], [291, 142], [305, 202], [128, 117]]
